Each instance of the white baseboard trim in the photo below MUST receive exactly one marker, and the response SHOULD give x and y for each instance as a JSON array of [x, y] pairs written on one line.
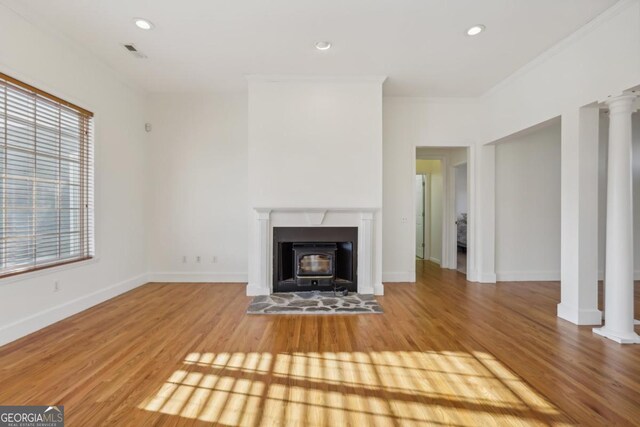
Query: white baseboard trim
[[486, 277], [30, 324], [399, 276], [366, 290], [579, 316], [378, 289], [436, 260], [194, 277], [528, 276], [255, 290], [628, 338], [472, 276]]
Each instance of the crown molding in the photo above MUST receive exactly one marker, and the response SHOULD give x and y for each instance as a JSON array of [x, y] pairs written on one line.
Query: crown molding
[[565, 43], [315, 209], [285, 78]]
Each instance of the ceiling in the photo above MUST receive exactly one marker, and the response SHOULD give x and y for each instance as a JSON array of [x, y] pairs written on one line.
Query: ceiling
[[210, 45]]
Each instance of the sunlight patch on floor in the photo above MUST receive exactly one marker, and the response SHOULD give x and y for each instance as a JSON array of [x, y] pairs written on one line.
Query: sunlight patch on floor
[[368, 388]]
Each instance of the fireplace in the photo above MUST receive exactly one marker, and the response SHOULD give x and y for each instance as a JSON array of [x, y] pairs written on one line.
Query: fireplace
[[314, 258]]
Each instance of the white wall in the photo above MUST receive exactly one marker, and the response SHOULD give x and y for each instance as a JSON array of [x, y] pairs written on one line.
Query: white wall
[[27, 302], [315, 143], [528, 206], [199, 195]]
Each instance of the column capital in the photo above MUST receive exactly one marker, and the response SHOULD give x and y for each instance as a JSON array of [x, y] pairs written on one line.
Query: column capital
[[623, 103]]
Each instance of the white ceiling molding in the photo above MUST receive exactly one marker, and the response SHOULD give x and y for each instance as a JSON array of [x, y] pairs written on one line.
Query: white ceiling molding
[[314, 78]]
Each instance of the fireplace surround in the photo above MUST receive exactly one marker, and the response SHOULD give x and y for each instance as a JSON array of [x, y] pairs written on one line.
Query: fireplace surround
[[367, 258]]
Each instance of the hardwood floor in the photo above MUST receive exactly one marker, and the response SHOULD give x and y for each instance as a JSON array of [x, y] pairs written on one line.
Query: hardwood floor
[[445, 352]]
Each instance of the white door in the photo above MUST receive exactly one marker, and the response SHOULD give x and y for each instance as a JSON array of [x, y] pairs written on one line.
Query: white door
[[420, 216]]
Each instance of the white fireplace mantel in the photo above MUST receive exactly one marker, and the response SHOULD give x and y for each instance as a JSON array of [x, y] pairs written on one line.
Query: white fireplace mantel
[[261, 282]]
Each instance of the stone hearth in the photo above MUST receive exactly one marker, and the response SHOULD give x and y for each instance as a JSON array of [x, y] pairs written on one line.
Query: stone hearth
[[315, 302]]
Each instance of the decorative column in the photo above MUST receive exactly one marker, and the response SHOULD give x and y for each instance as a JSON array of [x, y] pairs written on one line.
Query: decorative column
[[260, 283], [579, 216], [365, 251], [618, 322], [484, 217]]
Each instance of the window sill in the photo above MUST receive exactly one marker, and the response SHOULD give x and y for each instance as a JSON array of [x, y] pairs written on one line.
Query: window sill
[[46, 271]]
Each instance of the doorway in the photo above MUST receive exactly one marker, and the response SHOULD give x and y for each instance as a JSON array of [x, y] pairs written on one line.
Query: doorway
[[436, 212]]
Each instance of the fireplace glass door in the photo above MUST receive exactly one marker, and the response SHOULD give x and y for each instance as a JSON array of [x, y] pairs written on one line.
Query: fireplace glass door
[[315, 265]]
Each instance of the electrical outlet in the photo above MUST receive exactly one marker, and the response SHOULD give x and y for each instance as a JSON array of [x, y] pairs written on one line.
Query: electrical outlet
[[214, 259], [184, 259], [198, 259], [56, 286]]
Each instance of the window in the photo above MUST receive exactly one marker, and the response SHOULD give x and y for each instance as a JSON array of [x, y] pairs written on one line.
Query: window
[[46, 184]]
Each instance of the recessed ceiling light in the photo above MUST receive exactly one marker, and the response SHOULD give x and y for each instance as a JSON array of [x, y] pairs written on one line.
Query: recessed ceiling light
[[323, 45], [143, 24], [475, 30]]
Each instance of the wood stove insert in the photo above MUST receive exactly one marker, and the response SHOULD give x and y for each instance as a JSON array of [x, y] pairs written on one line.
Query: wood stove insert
[[314, 258]]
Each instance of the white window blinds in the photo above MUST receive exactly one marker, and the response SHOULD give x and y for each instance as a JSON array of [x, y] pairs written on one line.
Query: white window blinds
[[46, 184]]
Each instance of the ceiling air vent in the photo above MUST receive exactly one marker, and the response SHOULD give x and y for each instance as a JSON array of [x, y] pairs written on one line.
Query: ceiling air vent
[[134, 51]]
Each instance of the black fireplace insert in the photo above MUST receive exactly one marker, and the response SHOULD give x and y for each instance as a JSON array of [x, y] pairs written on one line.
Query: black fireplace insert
[[314, 258]]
